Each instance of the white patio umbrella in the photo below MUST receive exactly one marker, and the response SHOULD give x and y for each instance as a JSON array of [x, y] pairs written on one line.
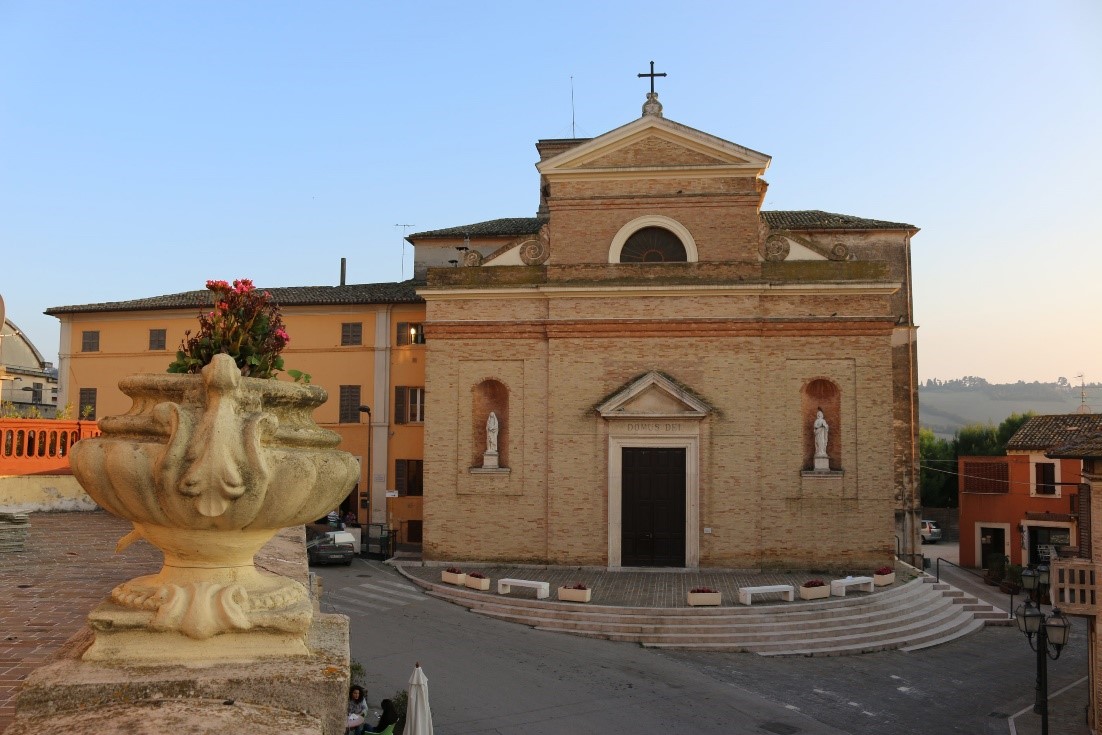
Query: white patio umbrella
[[418, 714]]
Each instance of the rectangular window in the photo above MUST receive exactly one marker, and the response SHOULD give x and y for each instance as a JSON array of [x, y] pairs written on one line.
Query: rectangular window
[[36, 392], [409, 405], [352, 333], [157, 339], [89, 341], [350, 404], [411, 333], [408, 476], [87, 409], [1045, 477], [986, 477]]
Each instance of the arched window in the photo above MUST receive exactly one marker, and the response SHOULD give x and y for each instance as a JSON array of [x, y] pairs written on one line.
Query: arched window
[[653, 245], [653, 238]]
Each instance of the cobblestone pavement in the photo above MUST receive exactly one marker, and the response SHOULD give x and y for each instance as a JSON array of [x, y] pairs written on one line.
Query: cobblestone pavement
[[46, 591]]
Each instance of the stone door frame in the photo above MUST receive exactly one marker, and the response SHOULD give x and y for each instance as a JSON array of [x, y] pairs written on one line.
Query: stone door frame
[[659, 434]]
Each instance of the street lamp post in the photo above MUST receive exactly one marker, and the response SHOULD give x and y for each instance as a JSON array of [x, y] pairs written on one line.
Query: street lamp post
[[1052, 635]]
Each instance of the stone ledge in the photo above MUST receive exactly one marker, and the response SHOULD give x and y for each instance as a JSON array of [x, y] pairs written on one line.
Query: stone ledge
[[70, 695]]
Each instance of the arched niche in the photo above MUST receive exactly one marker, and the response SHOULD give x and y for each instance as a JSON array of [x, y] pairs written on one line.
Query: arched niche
[[822, 394], [489, 396]]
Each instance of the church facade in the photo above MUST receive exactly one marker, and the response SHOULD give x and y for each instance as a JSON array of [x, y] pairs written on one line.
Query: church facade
[[655, 372]]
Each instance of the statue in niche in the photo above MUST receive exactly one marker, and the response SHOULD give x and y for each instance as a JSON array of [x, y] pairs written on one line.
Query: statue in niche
[[489, 457], [491, 433], [821, 429]]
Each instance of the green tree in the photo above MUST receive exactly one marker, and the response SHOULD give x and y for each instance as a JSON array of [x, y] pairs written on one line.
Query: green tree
[[977, 439], [1009, 427], [938, 470]]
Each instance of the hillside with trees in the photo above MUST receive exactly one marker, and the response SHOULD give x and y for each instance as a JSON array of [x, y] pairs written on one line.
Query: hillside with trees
[[944, 407]]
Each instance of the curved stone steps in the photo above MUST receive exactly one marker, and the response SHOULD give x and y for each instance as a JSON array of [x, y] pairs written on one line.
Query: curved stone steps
[[902, 608], [911, 616]]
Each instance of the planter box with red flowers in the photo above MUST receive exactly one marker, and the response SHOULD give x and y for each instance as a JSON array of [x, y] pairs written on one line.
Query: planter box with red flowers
[[477, 581], [704, 596], [814, 589], [883, 576], [575, 593], [453, 575]]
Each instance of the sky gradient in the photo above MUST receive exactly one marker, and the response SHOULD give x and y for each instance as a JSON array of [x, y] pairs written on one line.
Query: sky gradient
[[146, 147]]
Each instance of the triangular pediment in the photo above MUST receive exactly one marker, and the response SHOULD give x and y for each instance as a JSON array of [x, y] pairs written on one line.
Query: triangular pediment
[[656, 396], [655, 143]]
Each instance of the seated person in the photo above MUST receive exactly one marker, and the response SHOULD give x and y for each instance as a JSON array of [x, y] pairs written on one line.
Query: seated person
[[357, 705], [388, 717]]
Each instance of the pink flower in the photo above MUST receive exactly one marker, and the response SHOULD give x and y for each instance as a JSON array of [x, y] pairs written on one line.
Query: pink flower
[[217, 285]]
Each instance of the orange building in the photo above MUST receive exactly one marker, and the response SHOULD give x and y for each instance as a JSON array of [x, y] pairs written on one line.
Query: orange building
[[364, 343], [1017, 504]]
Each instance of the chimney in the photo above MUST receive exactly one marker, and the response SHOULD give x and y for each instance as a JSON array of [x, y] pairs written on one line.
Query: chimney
[[344, 268]]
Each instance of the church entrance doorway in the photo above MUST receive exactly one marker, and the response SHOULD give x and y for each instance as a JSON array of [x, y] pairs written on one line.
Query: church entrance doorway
[[653, 507]]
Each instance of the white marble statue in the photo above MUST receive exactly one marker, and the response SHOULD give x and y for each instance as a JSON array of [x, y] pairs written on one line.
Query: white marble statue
[[491, 432], [820, 428]]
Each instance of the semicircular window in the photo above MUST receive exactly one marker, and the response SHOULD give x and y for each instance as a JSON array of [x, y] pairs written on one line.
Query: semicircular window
[[653, 245]]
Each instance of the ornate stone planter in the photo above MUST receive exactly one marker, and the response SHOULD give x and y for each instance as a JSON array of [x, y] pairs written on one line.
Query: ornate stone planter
[[569, 594], [698, 599], [814, 593], [477, 583], [458, 578], [883, 580], [208, 468]]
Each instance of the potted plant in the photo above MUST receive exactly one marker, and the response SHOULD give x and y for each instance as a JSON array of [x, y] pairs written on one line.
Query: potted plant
[[477, 581], [995, 568], [701, 596], [208, 464], [1012, 582], [575, 593], [454, 575], [883, 576], [814, 589]]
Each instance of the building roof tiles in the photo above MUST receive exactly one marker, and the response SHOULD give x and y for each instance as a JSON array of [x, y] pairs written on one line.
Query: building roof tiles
[[360, 293], [1048, 432]]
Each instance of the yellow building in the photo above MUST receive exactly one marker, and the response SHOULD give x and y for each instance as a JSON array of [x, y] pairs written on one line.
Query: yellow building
[[364, 343]]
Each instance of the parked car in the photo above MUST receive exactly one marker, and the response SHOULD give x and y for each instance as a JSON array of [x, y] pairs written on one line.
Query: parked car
[[930, 532], [329, 547]]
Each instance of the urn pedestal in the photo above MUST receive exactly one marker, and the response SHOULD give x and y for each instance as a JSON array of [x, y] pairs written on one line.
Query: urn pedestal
[[208, 468]]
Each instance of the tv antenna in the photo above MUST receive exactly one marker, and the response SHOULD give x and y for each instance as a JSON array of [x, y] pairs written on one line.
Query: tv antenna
[[1083, 407], [405, 231]]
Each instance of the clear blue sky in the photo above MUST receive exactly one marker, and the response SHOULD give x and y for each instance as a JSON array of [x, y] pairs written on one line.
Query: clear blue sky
[[148, 146]]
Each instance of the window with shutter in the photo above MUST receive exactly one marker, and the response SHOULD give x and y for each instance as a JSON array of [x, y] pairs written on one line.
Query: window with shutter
[[87, 409], [1045, 476], [403, 333], [351, 333], [158, 339], [89, 341], [401, 413], [350, 404]]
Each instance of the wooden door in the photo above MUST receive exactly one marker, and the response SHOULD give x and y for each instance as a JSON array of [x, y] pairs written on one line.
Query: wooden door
[[653, 507]]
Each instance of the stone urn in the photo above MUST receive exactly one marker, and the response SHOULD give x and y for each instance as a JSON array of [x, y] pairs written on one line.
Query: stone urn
[[208, 468]]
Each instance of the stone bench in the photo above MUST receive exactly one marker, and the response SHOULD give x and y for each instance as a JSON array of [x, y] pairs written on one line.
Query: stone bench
[[838, 586], [745, 594], [504, 586]]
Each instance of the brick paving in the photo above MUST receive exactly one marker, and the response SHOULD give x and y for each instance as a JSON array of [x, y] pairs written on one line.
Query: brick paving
[[68, 567]]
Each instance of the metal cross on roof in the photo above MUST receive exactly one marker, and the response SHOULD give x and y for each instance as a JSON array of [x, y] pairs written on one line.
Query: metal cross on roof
[[652, 75]]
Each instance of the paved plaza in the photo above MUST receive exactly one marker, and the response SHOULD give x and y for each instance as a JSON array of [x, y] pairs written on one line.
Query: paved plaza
[[496, 677]]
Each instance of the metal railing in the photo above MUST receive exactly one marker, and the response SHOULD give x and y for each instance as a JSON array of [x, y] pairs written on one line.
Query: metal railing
[[937, 576]]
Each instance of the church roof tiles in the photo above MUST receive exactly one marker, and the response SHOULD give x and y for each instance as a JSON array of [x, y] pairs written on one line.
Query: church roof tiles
[[816, 219], [806, 219]]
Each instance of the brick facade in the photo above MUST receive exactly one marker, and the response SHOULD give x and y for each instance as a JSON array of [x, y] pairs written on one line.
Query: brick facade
[[759, 344]]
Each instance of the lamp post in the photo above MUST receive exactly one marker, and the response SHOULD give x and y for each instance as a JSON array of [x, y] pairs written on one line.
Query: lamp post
[[1052, 635]]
